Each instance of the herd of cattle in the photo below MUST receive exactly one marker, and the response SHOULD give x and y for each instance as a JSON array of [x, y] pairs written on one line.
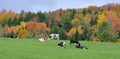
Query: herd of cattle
[[61, 44], [72, 41]]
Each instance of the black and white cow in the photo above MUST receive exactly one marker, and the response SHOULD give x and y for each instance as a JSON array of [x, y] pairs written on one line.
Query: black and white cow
[[74, 41], [62, 44], [13, 36], [81, 47], [53, 36]]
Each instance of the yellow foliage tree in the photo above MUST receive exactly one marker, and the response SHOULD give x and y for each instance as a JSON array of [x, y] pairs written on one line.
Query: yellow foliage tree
[[101, 18], [75, 21], [22, 24], [87, 18], [78, 14], [80, 30], [65, 14], [22, 33], [4, 15]]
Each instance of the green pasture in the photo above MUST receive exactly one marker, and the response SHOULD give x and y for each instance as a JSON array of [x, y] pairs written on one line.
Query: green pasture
[[34, 49]]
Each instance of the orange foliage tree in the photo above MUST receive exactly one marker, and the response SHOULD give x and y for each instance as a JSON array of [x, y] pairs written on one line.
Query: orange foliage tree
[[22, 33], [72, 31], [4, 15], [113, 18], [6, 31], [31, 26], [14, 29]]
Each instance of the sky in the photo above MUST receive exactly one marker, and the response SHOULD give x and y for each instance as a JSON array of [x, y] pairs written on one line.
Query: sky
[[49, 5]]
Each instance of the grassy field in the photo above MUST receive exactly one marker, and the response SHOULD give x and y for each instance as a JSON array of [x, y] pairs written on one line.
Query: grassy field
[[33, 49]]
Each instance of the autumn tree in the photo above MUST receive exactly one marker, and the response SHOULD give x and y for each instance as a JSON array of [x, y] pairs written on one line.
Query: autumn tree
[[87, 18], [92, 9], [101, 18], [6, 31], [104, 32], [75, 22], [93, 20], [31, 26], [86, 31], [42, 30], [114, 20], [71, 32], [66, 15], [37, 29], [14, 30], [4, 15], [22, 33]]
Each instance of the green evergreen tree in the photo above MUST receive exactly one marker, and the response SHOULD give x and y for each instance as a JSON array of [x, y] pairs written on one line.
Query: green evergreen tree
[[53, 23], [62, 34], [118, 35], [41, 16], [84, 12], [15, 21], [3, 23], [67, 25], [72, 14], [9, 22], [28, 17], [104, 32], [54, 30], [76, 35], [20, 19]]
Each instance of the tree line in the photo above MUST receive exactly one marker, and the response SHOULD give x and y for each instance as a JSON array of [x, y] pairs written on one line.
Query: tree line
[[91, 23]]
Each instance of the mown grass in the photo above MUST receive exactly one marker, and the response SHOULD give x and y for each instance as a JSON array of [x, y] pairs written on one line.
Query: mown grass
[[33, 49]]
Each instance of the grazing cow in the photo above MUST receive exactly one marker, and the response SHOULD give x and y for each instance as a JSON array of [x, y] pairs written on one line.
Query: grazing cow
[[62, 44], [74, 41], [54, 36], [13, 36], [41, 39], [81, 47]]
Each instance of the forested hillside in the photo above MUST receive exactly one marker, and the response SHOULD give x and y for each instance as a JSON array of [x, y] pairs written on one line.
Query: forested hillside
[[92, 23]]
